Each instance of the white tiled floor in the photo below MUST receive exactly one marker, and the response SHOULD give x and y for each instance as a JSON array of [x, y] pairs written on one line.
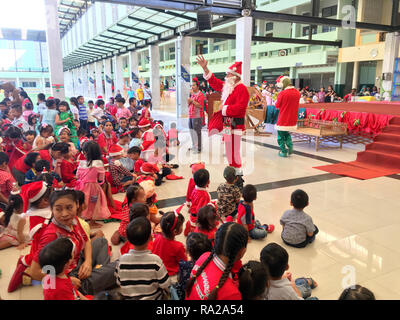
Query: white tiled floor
[[359, 221]]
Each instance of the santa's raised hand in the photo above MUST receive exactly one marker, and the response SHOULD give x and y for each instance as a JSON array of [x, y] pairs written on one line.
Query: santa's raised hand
[[202, 63]]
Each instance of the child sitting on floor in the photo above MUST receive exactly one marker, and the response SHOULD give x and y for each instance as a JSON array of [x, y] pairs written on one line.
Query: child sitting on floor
[[68, 168], [129, 162], [281, 286], [246, 215], [207, 221], [196, 245], [136, 135], [123, 142], [191, 184], [298, 227], [58, 254], [198, 199], [228, 194], [166, 247], [16, 232], [134, 194], [44, 138], [357, 292], [121, 177], [141, 274], [253, 280], [38, 168]]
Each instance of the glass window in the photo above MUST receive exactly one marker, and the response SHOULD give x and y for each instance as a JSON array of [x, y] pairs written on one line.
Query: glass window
[[329, 11], [269, 26], [29, 84]]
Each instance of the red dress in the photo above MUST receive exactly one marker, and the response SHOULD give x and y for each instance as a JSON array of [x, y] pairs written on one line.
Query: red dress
[[107, 141], [68, 173], [170, 252], [63, 289]]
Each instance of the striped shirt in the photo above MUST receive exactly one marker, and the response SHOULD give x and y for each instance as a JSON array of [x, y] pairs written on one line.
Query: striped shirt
[[83, 115], [141, 275]]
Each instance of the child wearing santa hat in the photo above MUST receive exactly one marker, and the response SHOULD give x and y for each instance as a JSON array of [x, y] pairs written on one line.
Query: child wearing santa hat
[[147, 138], [35, 196], [121, 177]]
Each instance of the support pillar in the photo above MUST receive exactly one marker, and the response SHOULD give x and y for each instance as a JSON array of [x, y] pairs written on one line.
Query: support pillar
[[244, 32], [107, 79], [118, 75], [182, 58], [356, 74], [54, 50], [155, 75], [134, 70], [99, 78], [391, 53]]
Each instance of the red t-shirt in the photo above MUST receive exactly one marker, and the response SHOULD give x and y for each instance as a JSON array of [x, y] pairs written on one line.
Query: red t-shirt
[[63, 289], [170, 252], [54, 231], [209, 233], [209, 279], [173, 134], [199, 198], [21, 166], [104, 141], [246, 215]]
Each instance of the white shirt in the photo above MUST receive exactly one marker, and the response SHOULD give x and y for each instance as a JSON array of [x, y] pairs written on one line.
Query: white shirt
[[98, 113], [146, 94], [21, 123], [41, 108], [75, 111]]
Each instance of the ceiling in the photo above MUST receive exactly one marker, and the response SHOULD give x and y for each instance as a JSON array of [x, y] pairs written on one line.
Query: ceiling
[[69, 11]]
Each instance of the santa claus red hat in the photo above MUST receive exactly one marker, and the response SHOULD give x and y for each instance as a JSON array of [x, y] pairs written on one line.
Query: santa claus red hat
[[99, 97], [50, 98], [149, 168], [115, 150], [144, 123], [196, 80], [236, 69], [32, 192]]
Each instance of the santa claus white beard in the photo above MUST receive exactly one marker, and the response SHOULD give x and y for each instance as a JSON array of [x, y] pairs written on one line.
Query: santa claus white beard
[[228, 87]]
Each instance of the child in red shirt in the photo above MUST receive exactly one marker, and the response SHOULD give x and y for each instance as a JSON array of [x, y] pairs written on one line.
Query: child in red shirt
[[107, 138], [68, 168], [207, 221], [246, 215], [166, 247], [199, 198], [172, 138], [192, 185], [58, 254], [211, 275], [134, 194]]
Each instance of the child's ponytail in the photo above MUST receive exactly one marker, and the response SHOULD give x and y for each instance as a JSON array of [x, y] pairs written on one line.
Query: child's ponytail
[[229, 240], [14, 202]]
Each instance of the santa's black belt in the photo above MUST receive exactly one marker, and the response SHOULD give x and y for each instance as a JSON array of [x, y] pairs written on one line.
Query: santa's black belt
[[235, 121]]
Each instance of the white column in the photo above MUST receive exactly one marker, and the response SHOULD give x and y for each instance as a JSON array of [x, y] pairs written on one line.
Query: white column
[[134, 69], [99, 78], [118, 75], [67, 82], [244, 32], [356, 74], [391, 53], [54, 49], [155, 75], [75, 84], [182, 58], [107, 76], [91, 78]]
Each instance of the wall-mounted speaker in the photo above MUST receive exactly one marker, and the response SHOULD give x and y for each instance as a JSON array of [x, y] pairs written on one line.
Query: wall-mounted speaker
[[204, 19]]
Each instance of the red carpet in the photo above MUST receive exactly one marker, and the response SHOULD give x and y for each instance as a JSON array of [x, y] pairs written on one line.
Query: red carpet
[[380, 158]]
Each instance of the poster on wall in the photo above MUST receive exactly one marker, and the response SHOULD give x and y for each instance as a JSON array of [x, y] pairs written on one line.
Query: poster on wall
[[108, 79], [91, 80], [135, 78], [184, 74]]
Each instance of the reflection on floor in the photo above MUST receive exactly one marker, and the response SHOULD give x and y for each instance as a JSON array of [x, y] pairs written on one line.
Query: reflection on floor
[[358, 220]]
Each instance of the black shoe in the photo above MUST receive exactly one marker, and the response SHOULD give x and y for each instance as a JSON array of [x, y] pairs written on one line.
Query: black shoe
[[175, 166]]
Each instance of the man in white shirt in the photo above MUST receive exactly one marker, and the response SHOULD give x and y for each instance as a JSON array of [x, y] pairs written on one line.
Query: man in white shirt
[[147, 95]]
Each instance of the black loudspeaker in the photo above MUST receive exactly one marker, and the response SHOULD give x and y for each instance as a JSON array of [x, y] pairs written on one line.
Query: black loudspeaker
[[204, 19]]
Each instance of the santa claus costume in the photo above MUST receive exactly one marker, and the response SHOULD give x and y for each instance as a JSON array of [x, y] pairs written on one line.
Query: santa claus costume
[[288, 104], [235, 98], [148, 139]]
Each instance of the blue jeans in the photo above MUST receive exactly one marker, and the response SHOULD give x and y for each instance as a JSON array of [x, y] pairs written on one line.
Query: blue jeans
[[258, 232], [304, 288]]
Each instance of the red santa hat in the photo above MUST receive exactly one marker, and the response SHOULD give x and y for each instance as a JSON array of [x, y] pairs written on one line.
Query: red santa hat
[[149, 168], [280, 81], [144, 123], [32, 192], [115, 150], [50, 98], [236, 69], [99, 97], [197, 166]]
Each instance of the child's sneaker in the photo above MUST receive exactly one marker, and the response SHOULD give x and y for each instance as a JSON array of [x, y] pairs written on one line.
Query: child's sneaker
[[269, 227]]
